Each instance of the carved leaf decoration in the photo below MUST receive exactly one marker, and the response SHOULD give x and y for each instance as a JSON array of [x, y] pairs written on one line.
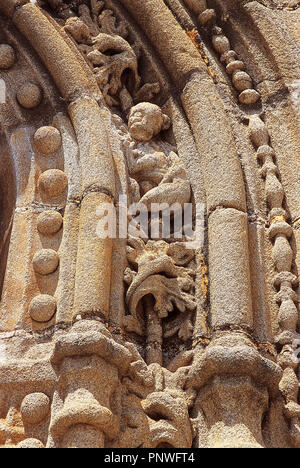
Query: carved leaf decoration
[[184, 328], [167, 295], [129, 275], [78, 29], [97, 6], [156, 273], [154, 266], [108, 24]]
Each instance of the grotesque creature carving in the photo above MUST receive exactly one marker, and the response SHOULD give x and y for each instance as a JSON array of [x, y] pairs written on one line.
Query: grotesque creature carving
[[157, 174], [109, 69], [146, 121], [114, 61], [156, 415], [160, 273]]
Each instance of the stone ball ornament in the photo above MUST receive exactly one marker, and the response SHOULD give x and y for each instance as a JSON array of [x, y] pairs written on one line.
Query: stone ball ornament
[[35, 408], [249, 96], [29, 95], [53, 183], [42, 308], [31, 444], [45, 261], [47, 140], [49, 222], [7, 56]]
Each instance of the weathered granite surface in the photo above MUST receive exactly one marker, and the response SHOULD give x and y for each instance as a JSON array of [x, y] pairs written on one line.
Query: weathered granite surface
[[127, 341]]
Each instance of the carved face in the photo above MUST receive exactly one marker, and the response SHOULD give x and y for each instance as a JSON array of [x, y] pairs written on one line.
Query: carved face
[[147, 120]]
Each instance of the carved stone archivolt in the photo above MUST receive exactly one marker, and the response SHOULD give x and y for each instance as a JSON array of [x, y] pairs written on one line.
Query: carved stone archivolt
[[128, 113]]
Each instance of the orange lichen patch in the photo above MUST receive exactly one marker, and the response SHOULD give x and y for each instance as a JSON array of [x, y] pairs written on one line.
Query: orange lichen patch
[[269, 347], [196, 40], [277, 219], [204, 276], [200, 340]]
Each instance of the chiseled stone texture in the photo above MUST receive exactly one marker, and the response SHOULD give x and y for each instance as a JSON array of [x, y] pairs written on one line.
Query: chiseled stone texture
[[112, 336]]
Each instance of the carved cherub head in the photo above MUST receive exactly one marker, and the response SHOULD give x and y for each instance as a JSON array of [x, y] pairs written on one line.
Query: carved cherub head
[[147, 120]]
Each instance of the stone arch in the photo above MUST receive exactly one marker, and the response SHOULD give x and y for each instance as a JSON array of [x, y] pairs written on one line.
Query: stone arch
[[189, 74], [224, 185], [236, 360], [27, 171]]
